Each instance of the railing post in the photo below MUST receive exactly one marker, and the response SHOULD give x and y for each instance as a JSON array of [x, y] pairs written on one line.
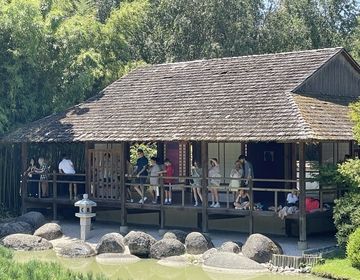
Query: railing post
[[54, 196], [162, 210], [123, 215], [251, 216], [204, 181], [23, 187], [302, 244], [276, 201]]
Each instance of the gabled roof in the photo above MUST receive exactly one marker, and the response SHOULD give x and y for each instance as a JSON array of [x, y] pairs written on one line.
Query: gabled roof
[[246, 98]]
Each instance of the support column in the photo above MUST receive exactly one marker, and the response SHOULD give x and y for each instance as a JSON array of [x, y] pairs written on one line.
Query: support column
[[54, 196], [122, 167], [87, 170], [302, 244], [251, 216], [24, 194], [204, 183]]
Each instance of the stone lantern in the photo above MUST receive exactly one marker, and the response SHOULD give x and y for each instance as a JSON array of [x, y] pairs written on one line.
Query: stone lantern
[[85, 214]]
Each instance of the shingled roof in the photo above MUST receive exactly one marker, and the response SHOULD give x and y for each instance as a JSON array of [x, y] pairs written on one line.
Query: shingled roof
[[246, 98]]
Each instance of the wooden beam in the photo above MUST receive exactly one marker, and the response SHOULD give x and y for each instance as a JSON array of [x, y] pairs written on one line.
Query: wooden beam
[[24, 194], [204, 183], [302, 244], [251, 216], [122, 167]]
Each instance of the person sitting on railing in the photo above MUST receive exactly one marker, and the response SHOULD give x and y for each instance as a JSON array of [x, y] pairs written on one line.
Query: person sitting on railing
[[168, 172], [141, 173], [291, 206], [43, 171], [196, 182], [242, 201], [214, 182], [154, 179], [66, 167]]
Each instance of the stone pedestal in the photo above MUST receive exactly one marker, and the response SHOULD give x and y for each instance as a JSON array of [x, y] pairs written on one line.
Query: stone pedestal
[[85, 224]]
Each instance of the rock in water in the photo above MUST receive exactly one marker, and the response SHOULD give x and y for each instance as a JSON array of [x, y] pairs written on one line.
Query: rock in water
[[26, 242], [111, 243], [77, 249], [49, 231], [167, 248], [15, 227], [176, 234], [230, 247], [139, 243], [196, 243]]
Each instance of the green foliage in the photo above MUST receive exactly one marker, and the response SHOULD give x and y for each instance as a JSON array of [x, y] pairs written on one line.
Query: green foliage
[[350, 173], [353, 248], [149, 149], [328, 175], [337, 268], [34, 270], [346, 216]]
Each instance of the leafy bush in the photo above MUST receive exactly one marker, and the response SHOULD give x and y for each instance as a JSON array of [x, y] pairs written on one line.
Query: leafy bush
[[346, 216], [350, 173], [353, 248], [35, 270]]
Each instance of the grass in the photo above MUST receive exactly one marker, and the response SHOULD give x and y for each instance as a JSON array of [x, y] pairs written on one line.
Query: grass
[[337, 268], [35, 270]]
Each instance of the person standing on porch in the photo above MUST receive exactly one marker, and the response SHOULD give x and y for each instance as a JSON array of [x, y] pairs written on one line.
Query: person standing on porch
[[154, 179], [168, 172], [66, 166], [236, 174], [214, 182], [196, 175], [43, 171], [248, 173], [141, 174]]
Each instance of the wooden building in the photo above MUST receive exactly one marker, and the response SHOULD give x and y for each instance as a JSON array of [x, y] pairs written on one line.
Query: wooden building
[[270, 107]]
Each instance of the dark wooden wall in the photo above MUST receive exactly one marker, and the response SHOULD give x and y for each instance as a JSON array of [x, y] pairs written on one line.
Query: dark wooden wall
[[337, 77]]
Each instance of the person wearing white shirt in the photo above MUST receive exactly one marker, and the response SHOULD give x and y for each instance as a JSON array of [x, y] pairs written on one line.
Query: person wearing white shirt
[[67, 167]]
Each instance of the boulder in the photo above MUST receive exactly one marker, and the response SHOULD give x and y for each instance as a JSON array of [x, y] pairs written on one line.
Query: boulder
[[116, 258], [208, 254], [15, 227], [49, 231], [260, 248], [139, 243], [26, 242], [77, 249], [234, 262], [230, 247], [176, 234], [167, 248], [196, 243], [111, 243], [35, 219]]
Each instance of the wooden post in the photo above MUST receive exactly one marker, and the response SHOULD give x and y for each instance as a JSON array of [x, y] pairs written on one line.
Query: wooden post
[[54, 196], [251, 216], [122, 167], [87, 169], [204, 183], [162, 197], [23, 187], [302, 244]]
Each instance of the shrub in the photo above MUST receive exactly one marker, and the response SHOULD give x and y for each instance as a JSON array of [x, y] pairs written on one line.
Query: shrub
[[346, 216], [353, 248], [35, 270], [349, 172]]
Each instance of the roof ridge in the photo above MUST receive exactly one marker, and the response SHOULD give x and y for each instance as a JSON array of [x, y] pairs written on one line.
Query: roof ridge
[[301, 120], [244, 56]]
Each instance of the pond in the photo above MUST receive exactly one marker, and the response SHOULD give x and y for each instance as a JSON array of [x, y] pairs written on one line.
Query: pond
[[148, 269]]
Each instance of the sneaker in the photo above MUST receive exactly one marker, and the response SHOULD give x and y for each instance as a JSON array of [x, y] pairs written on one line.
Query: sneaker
[[212, 204], [196, 204], [166, 201], [154, 202], [217, 205], [142, 201]]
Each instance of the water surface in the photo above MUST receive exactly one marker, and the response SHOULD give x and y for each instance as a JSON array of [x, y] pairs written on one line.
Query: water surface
[[149, 269]]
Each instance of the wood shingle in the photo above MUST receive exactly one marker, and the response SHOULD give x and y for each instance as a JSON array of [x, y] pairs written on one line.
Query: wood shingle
[[248, 98]]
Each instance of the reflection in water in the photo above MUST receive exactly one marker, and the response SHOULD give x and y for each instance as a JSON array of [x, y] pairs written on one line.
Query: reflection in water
[[147, 269]]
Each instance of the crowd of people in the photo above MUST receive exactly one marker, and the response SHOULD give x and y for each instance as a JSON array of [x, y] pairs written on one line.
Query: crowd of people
[[147, 175], [65, 167]]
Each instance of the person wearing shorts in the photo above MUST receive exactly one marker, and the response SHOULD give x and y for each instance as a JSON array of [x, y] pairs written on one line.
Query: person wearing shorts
[[168, 172], [141, 174], [67, 167], [154, 179]]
